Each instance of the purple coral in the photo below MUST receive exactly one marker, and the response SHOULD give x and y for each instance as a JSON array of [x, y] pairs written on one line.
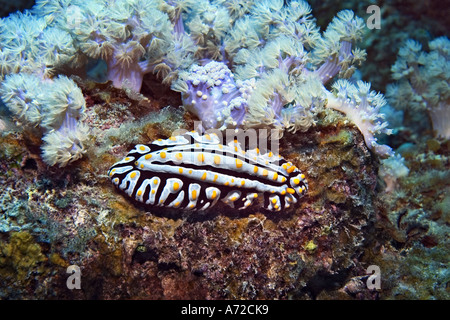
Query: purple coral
[[211, 93], [334, 49], [124, 35], [275, 82], [55, 106], [275, 61]]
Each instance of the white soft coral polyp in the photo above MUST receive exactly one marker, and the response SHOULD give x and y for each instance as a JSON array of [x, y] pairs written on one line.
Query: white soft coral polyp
[[362, 107]]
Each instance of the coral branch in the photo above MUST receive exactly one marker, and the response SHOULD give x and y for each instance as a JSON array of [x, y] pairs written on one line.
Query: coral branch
[[362, 107]]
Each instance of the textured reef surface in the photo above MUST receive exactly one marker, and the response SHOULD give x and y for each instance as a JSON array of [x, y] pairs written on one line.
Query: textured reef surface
[[83, 84], [126, 252]]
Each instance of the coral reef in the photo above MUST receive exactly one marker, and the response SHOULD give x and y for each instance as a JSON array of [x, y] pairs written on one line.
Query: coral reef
[[399, 20], [391, 170], [221, 255], [423, 83], [275, 51], [278, 72], [55, 106], [414, 223]]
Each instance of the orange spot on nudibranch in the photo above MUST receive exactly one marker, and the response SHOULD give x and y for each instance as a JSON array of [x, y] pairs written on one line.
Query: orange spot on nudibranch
[[291, 169], [290, 190]]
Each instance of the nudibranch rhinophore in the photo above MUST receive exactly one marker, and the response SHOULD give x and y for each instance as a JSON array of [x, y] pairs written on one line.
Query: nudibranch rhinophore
[[194, 172]]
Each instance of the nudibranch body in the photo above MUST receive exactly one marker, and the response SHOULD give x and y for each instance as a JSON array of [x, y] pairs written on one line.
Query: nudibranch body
[[194, 172]]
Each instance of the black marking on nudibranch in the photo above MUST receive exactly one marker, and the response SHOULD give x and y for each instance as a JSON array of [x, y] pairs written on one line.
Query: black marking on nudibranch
[[194, 172]]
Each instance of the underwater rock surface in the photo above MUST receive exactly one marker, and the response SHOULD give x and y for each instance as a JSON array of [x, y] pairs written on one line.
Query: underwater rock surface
[[74, 216], [359, 211]]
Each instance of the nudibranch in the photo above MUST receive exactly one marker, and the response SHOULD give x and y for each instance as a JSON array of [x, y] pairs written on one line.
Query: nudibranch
[[194, 172]]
